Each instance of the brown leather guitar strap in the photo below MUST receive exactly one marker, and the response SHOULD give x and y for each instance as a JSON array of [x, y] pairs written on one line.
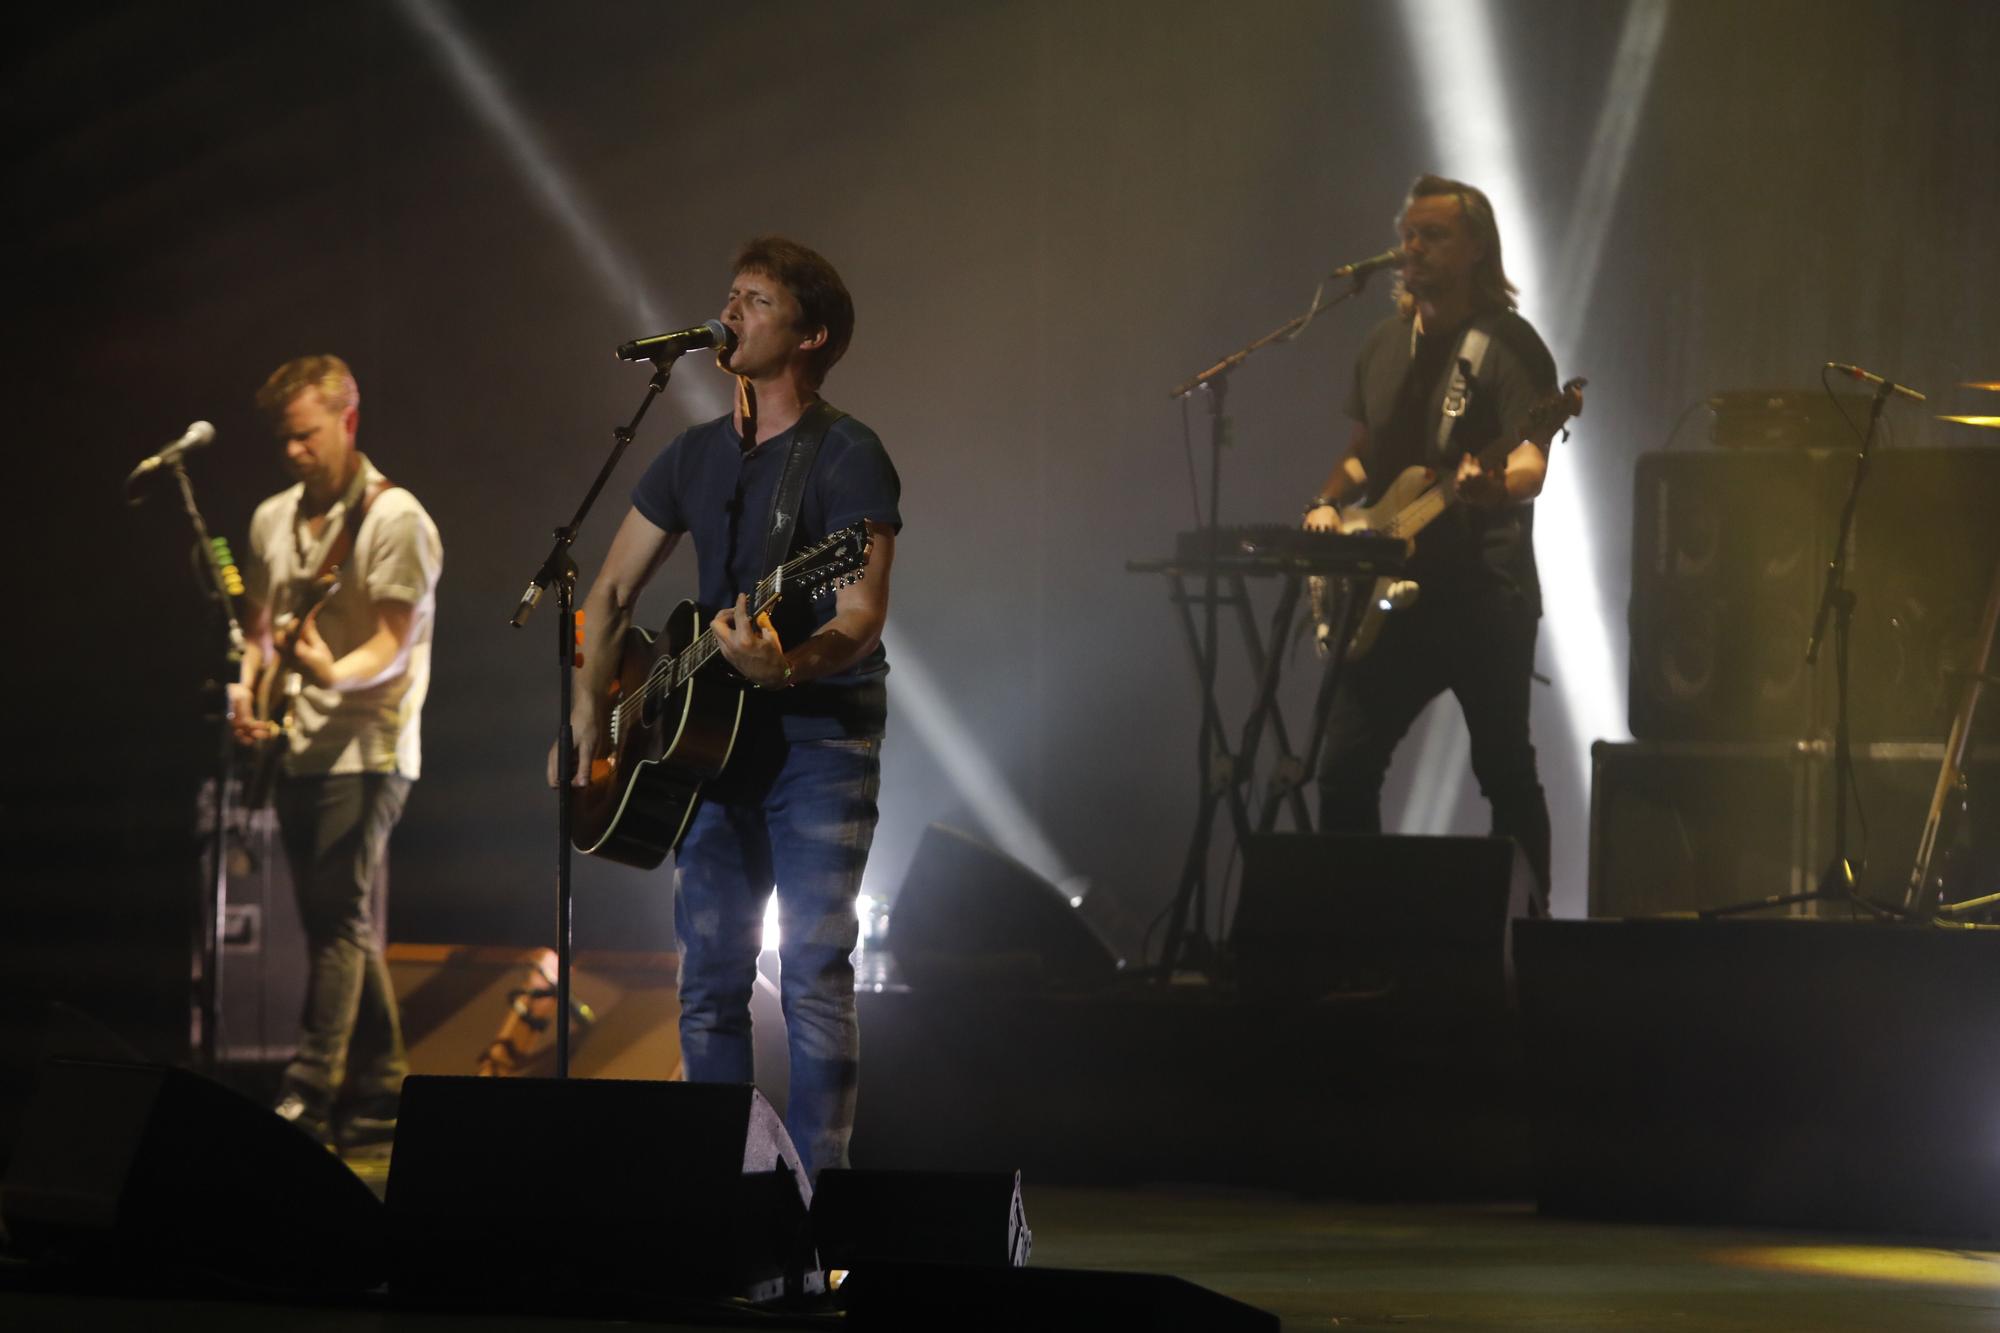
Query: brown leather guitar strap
[[342, 549]]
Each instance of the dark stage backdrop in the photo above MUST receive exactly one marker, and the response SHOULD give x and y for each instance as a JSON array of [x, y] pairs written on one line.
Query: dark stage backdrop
[[1048, 213]]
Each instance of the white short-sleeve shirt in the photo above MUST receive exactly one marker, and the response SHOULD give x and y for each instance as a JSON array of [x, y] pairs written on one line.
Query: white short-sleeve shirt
[[397, 557]]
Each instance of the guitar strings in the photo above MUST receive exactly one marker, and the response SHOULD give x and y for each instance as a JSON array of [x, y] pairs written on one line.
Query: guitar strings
[[697, 653]]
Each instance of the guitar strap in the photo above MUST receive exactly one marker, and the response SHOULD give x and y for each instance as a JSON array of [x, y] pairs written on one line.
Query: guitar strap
[[806, 436], [342, 549], [1464, 369]]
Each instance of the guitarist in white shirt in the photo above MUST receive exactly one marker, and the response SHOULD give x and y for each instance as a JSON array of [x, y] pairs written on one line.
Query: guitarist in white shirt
[[1426, 395], [340, 581]]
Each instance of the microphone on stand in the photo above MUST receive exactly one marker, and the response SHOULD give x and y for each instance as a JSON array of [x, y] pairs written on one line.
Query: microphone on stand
[[195, 437], [667, 346], [1869, 377], [1361, 269]]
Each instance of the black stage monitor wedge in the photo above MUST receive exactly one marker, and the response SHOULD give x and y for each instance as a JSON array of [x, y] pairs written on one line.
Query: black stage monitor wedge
[[579, 1189], [145, 1167], [1414, 920], [1048, 1300], [947, 1217], [971, 916]]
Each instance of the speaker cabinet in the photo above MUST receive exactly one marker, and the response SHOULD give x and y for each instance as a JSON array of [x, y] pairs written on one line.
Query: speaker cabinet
[[1729, 555], [147, 1167], [263, 973], [586, 1188], [1681, 828], [1420, 920], [969, 915]]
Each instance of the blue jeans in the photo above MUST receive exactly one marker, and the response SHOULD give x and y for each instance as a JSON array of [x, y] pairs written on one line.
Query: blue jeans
[[797, 815]]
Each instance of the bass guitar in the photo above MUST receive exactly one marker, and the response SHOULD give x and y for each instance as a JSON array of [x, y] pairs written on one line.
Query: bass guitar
[[674, 708], [1412, 502]]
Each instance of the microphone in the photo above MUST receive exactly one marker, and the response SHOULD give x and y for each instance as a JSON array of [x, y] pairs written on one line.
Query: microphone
[[197, 435], [1869, 377], [667, 346], [1387, 259]]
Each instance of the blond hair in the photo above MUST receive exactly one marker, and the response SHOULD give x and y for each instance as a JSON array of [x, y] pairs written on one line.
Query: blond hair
[[325, 372]]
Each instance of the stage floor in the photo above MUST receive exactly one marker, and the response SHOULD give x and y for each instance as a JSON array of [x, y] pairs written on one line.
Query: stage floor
[[1319, 1265]]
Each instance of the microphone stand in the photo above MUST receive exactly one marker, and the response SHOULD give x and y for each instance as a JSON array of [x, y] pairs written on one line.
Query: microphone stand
[[214, 900], [1836, 883], [559, 569], [1190, 908]]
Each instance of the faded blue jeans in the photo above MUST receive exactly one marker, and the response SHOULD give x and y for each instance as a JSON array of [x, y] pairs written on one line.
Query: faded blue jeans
[[797, 815]]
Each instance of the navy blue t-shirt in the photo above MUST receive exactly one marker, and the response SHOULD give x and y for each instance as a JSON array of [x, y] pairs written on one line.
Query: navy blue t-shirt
[[706, 485]]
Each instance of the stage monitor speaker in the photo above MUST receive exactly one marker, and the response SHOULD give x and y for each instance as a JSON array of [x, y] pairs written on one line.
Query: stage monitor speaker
[[577, 1189], [861, 1218], [971, 916], [1414, 919], [924, 1297], [144, 1166]]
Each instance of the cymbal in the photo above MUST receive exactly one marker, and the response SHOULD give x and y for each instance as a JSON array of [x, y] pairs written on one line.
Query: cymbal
[[1990, 422], [1991, 386]]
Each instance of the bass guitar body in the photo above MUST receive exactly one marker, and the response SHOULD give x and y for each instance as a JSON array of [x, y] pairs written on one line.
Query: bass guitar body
[[1385, 594], [664, 745], [1413, 500]]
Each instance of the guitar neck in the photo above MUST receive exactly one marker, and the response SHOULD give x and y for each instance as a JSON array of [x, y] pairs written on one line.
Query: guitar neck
[[703, 650]]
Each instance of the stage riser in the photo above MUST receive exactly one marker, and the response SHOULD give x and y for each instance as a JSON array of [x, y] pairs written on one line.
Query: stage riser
[[1798, 1073]]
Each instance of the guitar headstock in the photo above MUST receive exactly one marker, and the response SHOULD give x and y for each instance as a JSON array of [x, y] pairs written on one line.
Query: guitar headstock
[[830, 563], [1548, 414]]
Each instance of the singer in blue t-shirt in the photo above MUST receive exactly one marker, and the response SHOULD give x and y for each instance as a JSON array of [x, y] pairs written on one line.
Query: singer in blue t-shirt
[[795, 807]]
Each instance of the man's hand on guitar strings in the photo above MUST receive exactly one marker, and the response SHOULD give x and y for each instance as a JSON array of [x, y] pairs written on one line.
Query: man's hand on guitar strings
[[1478, 485], [749, 645], [314, 658]]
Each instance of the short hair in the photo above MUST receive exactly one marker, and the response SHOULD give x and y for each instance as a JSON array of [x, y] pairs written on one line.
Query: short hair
[[815, 285], [325, 372], [1491, 289]]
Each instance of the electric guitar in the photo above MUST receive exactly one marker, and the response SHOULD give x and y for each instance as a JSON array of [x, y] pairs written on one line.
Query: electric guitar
[[1411, 503], [275, 694], [674, 707]]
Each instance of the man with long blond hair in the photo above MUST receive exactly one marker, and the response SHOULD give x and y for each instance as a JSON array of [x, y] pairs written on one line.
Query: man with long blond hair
[[362, 653], [1454, 371]]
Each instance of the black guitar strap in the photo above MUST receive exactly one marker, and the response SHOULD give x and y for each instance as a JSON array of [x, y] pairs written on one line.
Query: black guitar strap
[[1464, 370], [806, 436]]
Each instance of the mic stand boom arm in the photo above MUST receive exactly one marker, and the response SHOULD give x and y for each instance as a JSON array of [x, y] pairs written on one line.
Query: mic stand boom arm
[[1191, 901], [560, 570]]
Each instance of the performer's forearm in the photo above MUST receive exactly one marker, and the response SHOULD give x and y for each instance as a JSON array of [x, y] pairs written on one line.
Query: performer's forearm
[[606, 616], [1347, 477], [379, 658], [840, 643]]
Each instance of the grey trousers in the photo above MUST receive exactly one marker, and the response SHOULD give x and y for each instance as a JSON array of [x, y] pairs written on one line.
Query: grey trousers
[[336, 833]]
